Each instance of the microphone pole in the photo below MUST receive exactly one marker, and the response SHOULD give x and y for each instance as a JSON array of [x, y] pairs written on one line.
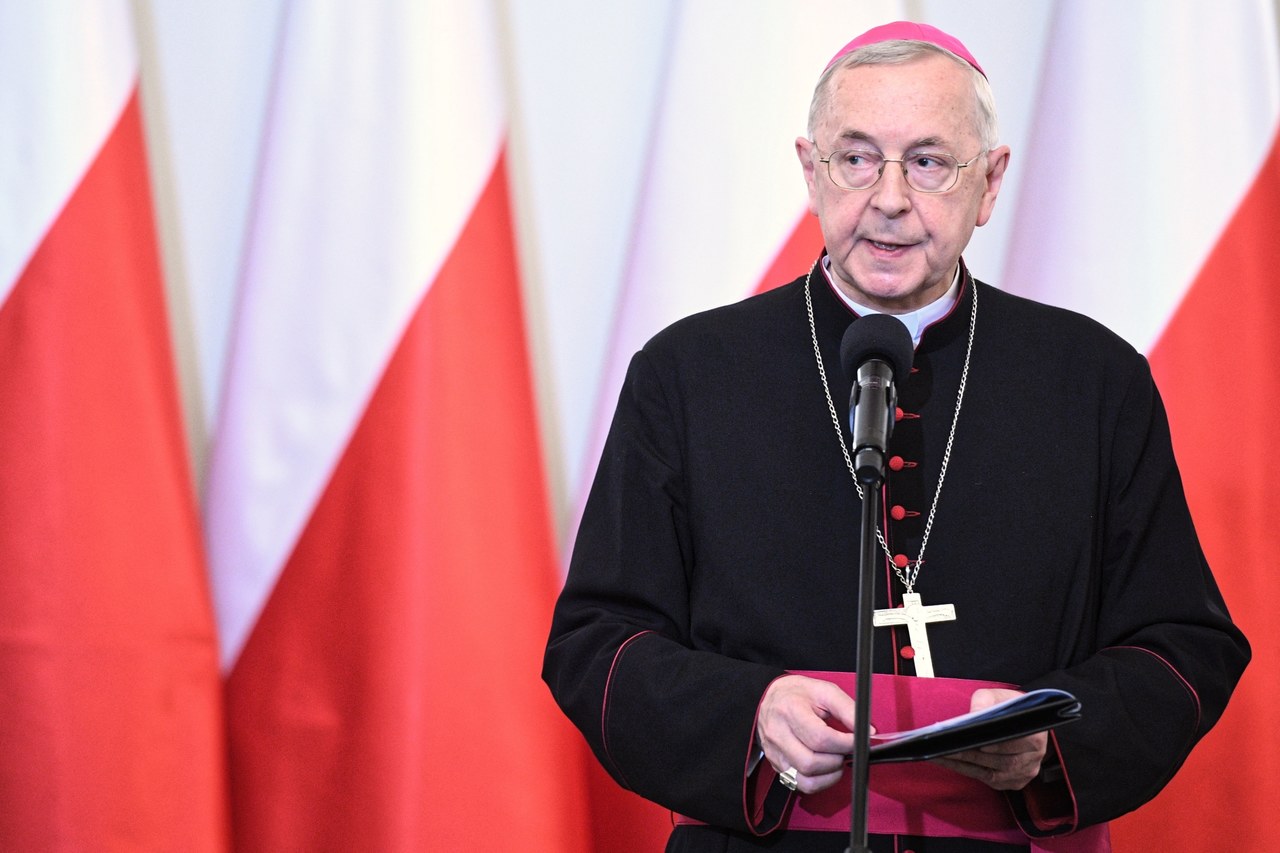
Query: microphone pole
[[875, 349], [871, 479]]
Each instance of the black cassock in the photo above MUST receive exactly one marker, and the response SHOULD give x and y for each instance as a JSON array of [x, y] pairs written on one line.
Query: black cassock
[[719, 548]]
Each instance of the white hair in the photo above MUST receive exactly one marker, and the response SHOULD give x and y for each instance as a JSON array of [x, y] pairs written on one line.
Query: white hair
[[897, 52]]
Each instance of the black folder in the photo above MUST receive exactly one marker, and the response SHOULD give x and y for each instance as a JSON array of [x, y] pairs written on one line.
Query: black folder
[[1025, 714]]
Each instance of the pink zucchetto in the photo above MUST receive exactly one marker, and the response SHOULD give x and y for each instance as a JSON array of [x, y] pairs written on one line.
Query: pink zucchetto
[[910, 31]]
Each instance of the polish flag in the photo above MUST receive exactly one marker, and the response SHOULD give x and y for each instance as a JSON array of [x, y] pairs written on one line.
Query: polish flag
[[111, 731], [377, 521], [1151, 197]]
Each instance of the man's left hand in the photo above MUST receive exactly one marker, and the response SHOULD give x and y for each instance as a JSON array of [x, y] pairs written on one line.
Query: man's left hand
[[1006, 766]]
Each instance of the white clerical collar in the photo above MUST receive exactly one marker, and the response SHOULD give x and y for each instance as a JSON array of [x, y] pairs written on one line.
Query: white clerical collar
[[916, 321]]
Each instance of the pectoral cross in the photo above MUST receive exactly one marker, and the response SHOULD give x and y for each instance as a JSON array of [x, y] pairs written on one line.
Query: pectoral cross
[[915, 616]]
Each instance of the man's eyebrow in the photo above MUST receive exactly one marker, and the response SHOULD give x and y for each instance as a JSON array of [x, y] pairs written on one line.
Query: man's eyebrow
[[852, 135]]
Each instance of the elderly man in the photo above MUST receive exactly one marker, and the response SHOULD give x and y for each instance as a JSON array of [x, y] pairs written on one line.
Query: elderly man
[[705, 634]]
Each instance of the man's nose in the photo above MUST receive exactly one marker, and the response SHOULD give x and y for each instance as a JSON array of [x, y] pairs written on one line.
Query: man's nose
[[891, 195]]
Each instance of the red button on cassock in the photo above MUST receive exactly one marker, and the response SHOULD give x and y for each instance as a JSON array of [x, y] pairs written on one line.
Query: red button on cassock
[[907, 652], [898, 512], [895, 463], [900, 560]]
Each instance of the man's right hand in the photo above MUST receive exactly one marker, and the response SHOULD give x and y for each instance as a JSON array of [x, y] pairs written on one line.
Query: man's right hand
[[806, 723]]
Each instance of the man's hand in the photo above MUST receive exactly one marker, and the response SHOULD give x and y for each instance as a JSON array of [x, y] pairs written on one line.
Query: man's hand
[[1006, 766], [794, 728]]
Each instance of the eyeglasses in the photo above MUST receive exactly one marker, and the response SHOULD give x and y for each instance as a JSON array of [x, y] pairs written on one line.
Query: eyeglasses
[[924, 171]]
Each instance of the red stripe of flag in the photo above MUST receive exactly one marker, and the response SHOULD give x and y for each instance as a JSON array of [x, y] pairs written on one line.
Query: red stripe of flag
[[110, 708], [388, 697], [796, 255], [1218, 367]]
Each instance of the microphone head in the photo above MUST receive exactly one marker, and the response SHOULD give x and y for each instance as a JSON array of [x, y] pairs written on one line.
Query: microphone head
[[880, 336]]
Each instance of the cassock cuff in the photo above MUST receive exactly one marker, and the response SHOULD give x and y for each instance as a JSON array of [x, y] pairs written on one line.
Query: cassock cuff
[[764, 799], [1047, 806]]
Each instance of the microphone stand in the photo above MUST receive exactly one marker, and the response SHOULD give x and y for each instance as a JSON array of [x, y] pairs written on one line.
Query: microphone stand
[[871, 477], [881, 348]]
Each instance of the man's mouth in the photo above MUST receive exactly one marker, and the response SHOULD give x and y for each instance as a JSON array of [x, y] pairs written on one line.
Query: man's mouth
[[887, 247]]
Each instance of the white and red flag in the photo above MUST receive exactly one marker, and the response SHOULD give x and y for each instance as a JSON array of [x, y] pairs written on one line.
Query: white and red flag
[[377, 519], [111, 732], [1150, 200]]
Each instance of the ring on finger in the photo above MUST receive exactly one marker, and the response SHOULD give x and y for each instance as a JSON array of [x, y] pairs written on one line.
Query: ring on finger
[[788, 778]]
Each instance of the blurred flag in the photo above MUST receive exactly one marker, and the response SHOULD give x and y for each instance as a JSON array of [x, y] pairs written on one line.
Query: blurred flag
[[377, 520], [1151, 193], [111, 731]]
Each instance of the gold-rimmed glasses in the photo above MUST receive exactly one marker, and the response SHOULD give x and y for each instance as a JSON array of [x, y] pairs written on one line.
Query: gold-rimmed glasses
[[925, 171]]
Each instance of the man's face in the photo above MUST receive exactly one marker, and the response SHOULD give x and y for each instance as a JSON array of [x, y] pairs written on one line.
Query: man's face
[[891, 247]]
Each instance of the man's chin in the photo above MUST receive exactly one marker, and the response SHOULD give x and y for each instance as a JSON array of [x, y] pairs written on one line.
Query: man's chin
[[894, 297]]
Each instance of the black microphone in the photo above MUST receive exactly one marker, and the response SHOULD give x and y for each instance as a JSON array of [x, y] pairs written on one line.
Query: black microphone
[[875, 350]]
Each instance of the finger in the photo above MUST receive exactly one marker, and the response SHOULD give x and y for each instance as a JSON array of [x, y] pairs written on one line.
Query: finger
[[815, 770], [999, 779], [819, 763], [994, 760], [791, 752], [799, 708], [811, 784], [786, 743], [1001, 772], [1017, 746], [819, 736], [822, 781], [984, 697]]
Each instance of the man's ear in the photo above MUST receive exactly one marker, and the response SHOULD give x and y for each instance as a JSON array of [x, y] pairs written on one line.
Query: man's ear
[[997, 163], [808, 154]]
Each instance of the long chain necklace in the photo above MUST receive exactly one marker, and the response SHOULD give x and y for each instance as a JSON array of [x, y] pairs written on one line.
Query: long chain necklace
[[908, 578]]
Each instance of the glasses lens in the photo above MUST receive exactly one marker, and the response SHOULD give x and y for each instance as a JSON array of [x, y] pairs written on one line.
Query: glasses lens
[[855, 169], [931, 172]]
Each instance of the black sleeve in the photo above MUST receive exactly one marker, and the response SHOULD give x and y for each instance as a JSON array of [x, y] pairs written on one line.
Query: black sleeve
[[1169, 655], [673, 723]]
